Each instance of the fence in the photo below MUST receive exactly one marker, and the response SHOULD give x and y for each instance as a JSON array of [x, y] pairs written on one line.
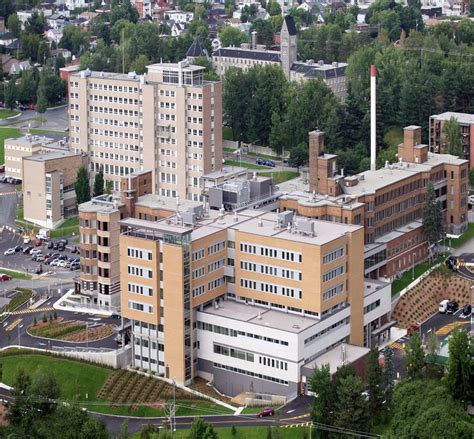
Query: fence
[[260, 399]]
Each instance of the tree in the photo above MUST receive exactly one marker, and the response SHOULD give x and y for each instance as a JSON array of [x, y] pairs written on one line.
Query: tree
[[471, 177], [140, 64], [10, 94], [460, 373], [451, 138], [424, 409], [264, 31], [375, 383], [124, 10], [201, 429], [299, 156], [36, 24], [46, 390], [273, 8], [99, 183], [41, 103], [14, 25], [82, 187], [74, 39], [388, 377], [433, 348], [415, 357], [109, 187], [232, 36], [149, 431], [351, 407], [322, 408], [432, 216]]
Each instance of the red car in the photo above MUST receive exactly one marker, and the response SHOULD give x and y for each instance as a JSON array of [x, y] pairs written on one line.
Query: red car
[[4, 277], [38, 243], [267, 411]]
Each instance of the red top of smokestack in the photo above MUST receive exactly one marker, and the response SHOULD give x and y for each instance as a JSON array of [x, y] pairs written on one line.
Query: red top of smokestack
[[373, 72]]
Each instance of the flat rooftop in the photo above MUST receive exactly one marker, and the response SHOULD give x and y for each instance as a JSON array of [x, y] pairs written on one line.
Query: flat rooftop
[[100, 204], [375, 180], [46, 156], [106, 75], [335, 356], [461, 117], [30, 139], [182, 65], [372, 285], [400, 231], [226, 172], [260, 316], [157, 202]]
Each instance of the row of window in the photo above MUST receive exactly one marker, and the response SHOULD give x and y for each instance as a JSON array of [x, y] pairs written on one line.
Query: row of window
[[333, 255], [334, 291], [139, 306], [271, 288], [116, 145], [271, 270], [342, 322], [140, 271], [234, 333], [113, 99], [119, 111], [234, 353], [371, 306], [198, 254], [213, 266], [139, 253], [153, 344], [107, 87], [140, 289], [217, 247], [108, 133], [332, 274], [249, 373], [118, 157], [271, 252], [114, 122], [197, 291], [271, 362], [216, 283]]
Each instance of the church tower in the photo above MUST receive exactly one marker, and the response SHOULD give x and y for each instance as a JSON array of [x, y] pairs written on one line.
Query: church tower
[[288, 45]]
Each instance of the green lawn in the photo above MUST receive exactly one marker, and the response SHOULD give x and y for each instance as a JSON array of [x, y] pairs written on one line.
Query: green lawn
[[4, 113], [280, 176], [41, 131], [466, 236], [227, 133], [67, 228], [245, 165], [394, 136], [407, 277], [6, 133], [248, 432], [15, 274], [79, 381]]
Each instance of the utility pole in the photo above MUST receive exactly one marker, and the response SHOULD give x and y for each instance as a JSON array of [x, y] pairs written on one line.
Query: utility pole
[[173, 422]]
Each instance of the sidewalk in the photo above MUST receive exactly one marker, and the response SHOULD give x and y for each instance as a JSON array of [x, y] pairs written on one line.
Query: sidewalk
[[395, 334]]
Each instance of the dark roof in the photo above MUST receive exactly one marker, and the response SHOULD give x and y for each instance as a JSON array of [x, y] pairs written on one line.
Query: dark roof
[[7, 36], [315, 70], [196, 49], [290, 25], [14, 45], [248, 54]]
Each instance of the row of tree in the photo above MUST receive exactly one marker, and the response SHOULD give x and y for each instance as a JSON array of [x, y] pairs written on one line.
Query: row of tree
[[83, 189], [420, 406], [43, 88]]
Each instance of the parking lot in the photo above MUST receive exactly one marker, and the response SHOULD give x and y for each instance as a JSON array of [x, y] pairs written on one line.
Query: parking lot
[[25, 263]]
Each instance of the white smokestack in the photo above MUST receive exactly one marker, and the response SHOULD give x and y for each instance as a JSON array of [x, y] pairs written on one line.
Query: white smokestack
[[373, 108], [254, 40]]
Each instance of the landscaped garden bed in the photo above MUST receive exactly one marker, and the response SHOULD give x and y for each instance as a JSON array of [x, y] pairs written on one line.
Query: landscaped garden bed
[[422, 301], [70, 330]]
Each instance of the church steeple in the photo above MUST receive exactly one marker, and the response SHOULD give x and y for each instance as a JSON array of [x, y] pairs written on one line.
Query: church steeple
[[288, 50]]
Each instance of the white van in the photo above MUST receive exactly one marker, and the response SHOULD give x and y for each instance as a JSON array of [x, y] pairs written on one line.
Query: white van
[[443, 306]]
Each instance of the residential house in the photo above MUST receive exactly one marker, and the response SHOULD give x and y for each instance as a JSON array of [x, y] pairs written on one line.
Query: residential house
[[18, 67]]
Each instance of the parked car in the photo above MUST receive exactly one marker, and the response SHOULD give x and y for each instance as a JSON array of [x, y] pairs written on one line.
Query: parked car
[[62, 263], [75, 249], [443, 306], [269, 163], [38, 243], [267, 411], [51, 245], [452, 263], [4, 277], [116, 315], [26, 250], [40, 258], [260, 161], [55, 255], [36, 251], [471, 200], [466, 310], [26, 240], [412, 328], [452, 307], [18, 248], [75, 266], [64, 241], [10, 251], [61, 247], [54, 262]]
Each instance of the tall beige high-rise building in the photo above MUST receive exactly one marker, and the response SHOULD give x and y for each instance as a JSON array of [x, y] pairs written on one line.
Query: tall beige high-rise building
[[168, 121]]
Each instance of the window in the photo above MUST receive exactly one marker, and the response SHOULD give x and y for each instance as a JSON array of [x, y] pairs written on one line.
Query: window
[[331, 274], [333, 255], [234, 353], [371, 306], [334, 291]]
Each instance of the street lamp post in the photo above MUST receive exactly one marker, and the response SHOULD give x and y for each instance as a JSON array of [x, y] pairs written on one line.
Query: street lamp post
[[413, 267], [19, 335]]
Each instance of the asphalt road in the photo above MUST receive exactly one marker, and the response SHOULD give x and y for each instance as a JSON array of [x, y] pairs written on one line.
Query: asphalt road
[[56, 119], [296, 412], [464, 272], [21, 337]]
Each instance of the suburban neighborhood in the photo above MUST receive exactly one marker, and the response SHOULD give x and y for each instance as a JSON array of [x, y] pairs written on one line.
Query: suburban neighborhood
[[236, 219]]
